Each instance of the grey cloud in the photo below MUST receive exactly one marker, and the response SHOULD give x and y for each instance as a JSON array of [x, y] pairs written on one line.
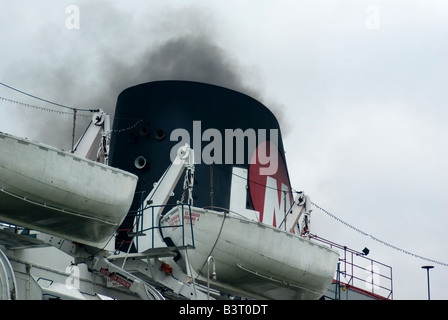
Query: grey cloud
[[113, 50]]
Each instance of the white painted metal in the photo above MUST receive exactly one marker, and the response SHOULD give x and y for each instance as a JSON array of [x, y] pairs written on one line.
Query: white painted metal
[[8, 284], [162, 191], [238, 194], [301, 206], [253, 258], [59, 193], [85, 147]]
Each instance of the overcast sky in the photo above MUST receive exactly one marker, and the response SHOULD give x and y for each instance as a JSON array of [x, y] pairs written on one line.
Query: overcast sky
[[359, 88]]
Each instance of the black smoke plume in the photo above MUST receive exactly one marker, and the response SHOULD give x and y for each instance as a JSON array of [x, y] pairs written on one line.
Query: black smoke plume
[[113, 50]]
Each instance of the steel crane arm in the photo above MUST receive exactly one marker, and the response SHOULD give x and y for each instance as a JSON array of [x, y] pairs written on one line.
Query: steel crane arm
[[85, 146], [163, 190]]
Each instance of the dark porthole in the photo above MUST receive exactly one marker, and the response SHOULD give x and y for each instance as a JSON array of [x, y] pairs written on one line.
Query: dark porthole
[[140, 162], [160, 134]]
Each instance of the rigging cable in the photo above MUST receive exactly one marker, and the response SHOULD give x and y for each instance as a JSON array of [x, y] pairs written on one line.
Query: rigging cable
[[375, 238], [47, 101], [346, 223], [41, 108]]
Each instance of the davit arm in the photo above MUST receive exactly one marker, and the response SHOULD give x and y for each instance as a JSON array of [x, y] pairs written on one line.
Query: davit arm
[[300, 207], [163, 190]]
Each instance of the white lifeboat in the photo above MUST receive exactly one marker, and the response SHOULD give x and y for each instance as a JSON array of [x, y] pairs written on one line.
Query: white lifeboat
[[60, 193], [251, 258]]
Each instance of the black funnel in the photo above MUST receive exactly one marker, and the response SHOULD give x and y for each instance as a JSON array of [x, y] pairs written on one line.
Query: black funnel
[[235, 138]]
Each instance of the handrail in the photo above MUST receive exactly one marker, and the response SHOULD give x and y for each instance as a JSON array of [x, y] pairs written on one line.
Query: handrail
[[154, 227], [372, 275]]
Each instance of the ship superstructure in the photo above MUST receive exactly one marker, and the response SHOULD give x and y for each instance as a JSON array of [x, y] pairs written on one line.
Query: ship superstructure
[[192, 202]]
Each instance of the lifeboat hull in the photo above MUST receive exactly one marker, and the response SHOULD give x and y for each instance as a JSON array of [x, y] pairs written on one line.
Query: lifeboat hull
[[59, 193], [252, 258]]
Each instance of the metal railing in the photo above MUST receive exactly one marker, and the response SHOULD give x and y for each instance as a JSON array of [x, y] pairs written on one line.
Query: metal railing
[[184, 211], [360, 273]]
